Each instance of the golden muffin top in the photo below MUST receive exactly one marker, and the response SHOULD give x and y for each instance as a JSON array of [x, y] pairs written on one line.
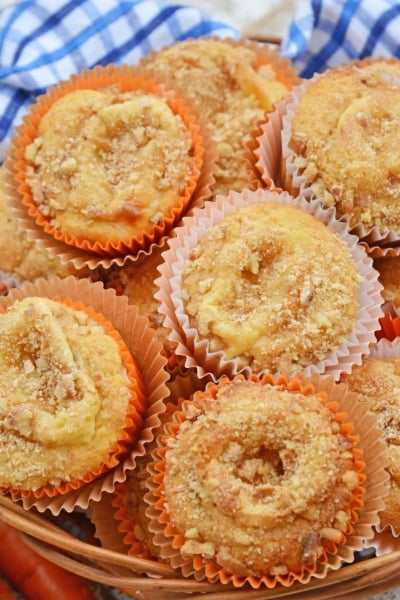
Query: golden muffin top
[[272, 287], [344, 135], [258, 479], [108, 166], [63, 402], [234, 86]]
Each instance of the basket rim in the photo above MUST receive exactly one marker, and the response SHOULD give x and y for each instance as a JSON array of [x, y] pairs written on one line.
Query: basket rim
[[92, 562]]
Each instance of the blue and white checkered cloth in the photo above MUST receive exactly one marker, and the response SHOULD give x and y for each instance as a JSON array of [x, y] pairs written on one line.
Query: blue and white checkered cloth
[[327, 33], [45, 41]]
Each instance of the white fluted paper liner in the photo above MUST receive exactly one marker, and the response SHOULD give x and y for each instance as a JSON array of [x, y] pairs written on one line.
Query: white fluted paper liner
[[139, 337], [293, 181], [196, 352]]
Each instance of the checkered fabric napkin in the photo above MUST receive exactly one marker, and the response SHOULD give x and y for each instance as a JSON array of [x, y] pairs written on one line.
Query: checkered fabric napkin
[[326, 33], [45, 41]]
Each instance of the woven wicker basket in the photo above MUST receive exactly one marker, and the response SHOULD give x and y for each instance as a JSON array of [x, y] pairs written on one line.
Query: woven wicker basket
[[151, 580]]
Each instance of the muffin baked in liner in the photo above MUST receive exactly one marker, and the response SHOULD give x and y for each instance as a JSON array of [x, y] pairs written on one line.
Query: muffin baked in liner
[[139, 340], [224, 78], [369, 458], [196, 351], [133, 419], [291, 175], [88, 252], [385, 349]]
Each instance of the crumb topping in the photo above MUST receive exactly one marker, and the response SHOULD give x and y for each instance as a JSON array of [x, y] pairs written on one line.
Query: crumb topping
[[261, 480], [272, 287], [64, 393], [234, 89], [108, 165], [348, 150]]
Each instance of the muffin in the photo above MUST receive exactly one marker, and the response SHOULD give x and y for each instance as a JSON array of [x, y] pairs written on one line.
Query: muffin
[[340, 136], [108, 161], [234, 83], [70, 412], [377, 383], [257, 481], [22, 259], [272, 287]]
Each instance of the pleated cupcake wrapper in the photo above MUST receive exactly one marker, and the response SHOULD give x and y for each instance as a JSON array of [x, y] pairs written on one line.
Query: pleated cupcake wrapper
[[127, 523], [356, 423], [105, 531], [139, 339], [184, 382], [379, 251], [118, 524], [196, 351], [266, 147], [83, 252], [293, 181]]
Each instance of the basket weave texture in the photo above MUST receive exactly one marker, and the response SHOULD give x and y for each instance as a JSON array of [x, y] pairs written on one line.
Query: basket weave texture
[[151, 580]]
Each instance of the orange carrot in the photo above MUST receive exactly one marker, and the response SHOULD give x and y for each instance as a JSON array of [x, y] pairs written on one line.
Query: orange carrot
[[6, 592], [34, 576]]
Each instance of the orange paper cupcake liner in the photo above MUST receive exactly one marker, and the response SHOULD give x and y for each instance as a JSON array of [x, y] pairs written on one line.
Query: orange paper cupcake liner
[[126, 508], [196, 351], [40, 228], [355, 423], [138, 337], [133, 420], [127, 520]]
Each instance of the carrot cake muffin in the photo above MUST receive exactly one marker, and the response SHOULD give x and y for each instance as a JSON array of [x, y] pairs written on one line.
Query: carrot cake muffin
[[108, 166], [272, 287], [377, 382], [23, 259], [233, 84], [258, 480], [65, 395], [343, 139]]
